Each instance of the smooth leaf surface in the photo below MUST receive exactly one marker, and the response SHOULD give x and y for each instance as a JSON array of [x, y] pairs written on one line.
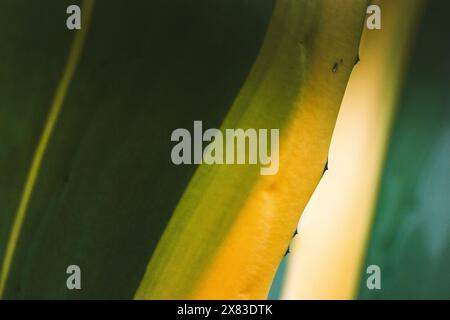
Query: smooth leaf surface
[[107, 188]]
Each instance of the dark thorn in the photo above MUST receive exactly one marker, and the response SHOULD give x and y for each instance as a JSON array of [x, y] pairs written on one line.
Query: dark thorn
[[335, 67], [287, 251], [357, 60], [295, 232], [325, 169]]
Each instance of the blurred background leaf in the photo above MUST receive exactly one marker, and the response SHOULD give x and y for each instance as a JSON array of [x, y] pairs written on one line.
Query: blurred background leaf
[[410, 238]]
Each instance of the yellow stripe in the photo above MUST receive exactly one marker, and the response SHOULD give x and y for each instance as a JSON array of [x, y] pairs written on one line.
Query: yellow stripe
[[55, 109]]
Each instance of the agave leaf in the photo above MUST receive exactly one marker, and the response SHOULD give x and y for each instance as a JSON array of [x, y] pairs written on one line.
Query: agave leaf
[[106, 187], [232, 225]]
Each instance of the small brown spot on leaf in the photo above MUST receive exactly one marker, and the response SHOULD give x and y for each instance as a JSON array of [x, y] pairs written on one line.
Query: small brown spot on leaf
[[335, 68]]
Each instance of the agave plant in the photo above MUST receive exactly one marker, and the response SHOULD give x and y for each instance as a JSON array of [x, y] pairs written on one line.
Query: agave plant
[[86, 117], [87, 121]]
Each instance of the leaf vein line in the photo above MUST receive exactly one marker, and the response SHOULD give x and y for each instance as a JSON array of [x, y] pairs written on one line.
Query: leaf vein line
[[55, 110]]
